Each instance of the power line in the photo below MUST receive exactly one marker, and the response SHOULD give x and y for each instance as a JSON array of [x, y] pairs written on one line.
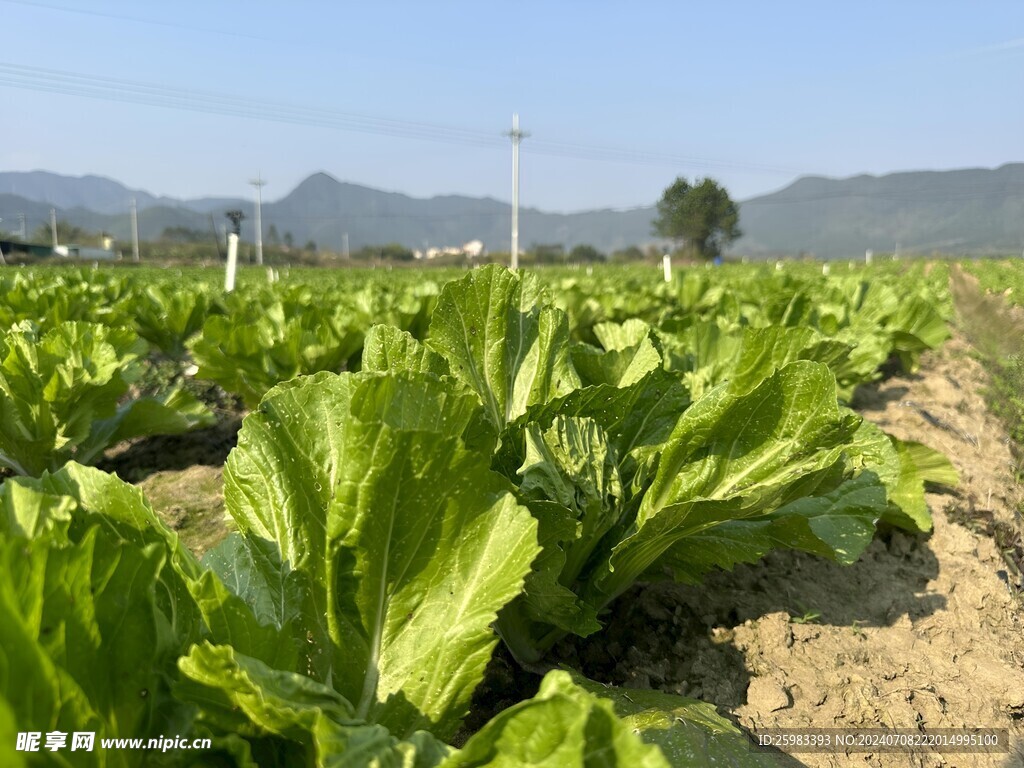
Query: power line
[[138, 20], [135, 92]]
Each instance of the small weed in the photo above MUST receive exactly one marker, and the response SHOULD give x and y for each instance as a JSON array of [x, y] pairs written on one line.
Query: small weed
[[807, 617]]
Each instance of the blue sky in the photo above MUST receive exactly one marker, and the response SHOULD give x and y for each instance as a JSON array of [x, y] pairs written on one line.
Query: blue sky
[[619, 98]]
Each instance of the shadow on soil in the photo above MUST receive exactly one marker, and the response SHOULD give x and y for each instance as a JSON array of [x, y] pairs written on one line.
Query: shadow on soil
[[677, 638], [874, 397], [146, 456]]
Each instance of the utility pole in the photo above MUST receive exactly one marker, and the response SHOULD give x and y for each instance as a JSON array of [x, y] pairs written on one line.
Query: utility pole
[[135, 231], [259, 183], [516, 135], [53, 227], [344, 245], [22, 229]]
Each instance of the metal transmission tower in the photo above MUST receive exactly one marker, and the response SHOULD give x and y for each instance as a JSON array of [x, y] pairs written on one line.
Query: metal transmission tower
[[259, 183], [516, 135]]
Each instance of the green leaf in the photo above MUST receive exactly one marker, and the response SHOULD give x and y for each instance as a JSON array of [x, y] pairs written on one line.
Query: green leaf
[[172, 413], [904, 467], [918, 465], [62, 396], [570, 482], [389, 349], [687, 731], [563, 726], [29, 512], [240, 694], [106, 501], [637, 419], [248, 355], [502, 342], [87, 643], [838, 525], [734, 456], [257, 604], [630, 354], [409, 542], [167, 316]]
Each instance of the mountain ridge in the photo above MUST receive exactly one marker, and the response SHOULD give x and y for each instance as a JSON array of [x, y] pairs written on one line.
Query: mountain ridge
[[961, 210]]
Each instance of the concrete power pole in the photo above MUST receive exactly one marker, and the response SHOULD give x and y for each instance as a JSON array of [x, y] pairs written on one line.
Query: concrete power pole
[[516, 135], [53, 227], [135, 231], [259, 183]]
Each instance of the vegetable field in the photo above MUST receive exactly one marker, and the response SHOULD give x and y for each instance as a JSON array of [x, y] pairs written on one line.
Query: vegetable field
[[368, 518]]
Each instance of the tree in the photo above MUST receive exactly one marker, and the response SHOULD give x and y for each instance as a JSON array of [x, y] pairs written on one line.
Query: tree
[[701, 217], [66, 233], [183, 235], [585, 253], [630, 253], [272, 237], [542, 253]]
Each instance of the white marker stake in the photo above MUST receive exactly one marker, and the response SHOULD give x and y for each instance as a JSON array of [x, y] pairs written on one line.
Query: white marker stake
[[666, 265], [229, 276]]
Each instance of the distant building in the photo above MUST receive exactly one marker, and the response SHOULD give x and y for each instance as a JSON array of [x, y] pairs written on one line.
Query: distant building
[[84, 252], [18, 251], [474, 249]]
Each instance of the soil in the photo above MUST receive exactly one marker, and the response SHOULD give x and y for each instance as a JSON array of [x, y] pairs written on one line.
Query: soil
[[923, 631], [191, 502], [183, 475]]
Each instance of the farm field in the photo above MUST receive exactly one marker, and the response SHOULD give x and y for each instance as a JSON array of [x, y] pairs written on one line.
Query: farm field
[[564, 517]]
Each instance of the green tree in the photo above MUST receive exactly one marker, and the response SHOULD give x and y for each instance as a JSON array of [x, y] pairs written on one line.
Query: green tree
[[66, 233], [272, 237], [542, 253], [585, 253], [631, 253], [700, 217], [184, 235]]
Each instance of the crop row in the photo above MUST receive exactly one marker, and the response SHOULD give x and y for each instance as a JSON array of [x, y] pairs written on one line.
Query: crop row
[[496, 461]]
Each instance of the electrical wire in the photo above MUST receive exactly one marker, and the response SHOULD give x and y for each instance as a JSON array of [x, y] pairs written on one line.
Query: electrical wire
[[134, 92]]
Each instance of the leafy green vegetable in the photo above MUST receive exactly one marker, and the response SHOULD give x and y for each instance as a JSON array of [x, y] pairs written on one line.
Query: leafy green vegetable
[[94, 610], [168, 317], [401, 629], [626, 476], [247, 355], [65, 395], [503, 343], [563, 725]]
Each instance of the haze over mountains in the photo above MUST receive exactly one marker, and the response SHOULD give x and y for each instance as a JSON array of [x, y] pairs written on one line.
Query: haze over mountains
[[962, 211]]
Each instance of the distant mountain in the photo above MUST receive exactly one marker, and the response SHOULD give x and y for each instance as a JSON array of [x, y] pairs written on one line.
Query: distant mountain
[[96, 193], [323, 209], [963, 211]]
